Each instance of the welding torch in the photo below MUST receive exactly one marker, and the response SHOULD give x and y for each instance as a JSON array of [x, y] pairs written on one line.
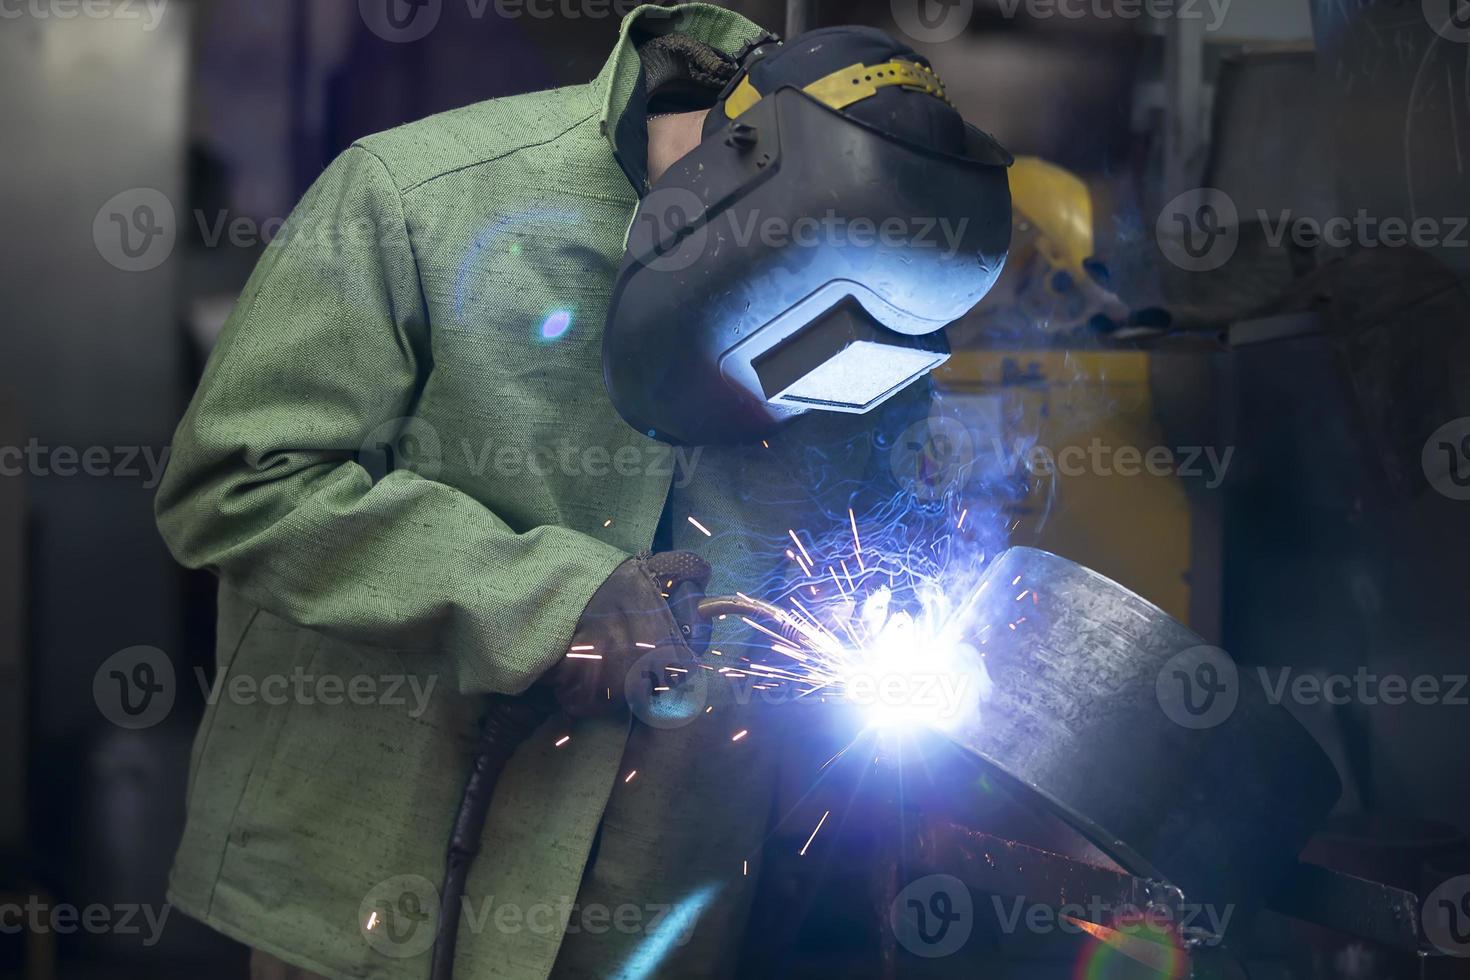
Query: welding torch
[[507, 723]]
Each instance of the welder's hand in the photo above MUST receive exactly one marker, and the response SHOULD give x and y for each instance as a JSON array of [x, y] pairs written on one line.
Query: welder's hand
[[648, 606]]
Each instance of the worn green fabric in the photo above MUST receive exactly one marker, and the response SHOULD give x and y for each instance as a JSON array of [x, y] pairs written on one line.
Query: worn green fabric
[[408, 295], [404, 469]]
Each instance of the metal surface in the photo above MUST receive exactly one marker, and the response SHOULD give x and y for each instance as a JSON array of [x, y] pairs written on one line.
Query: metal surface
[[1353, 906], [1078, 712], [1357, 907], [732, 605], [998, 866]]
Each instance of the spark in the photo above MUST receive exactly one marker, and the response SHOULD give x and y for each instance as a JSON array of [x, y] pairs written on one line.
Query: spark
[[584, 648], [740, 734], [1022, 595], [801, 546], [757, 626], [836, 581], [646, 646], [807, 569], [372, 921], [607, 523], [848, 573], [961, 525], [584, 656], [629, 777], [857, 542], [700, 527], [709, 709], [814, 833], [563, 740], [744, 871]]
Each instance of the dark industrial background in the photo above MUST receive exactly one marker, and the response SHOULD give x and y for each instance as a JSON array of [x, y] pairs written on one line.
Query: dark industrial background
[[1330, 548]]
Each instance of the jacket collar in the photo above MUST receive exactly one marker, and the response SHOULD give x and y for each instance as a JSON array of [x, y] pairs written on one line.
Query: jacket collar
[[618, 92]]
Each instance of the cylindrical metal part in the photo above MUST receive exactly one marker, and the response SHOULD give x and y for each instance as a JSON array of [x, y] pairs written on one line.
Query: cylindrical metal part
[[1150, 742]]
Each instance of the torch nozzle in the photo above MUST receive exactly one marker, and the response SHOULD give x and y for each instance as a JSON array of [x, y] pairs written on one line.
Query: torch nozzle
[[739, 605]]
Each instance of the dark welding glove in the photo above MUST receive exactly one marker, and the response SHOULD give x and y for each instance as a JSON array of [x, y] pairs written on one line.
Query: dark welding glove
[[648, 608]]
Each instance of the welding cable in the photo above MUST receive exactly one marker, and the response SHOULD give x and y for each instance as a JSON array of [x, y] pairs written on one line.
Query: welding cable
[[506, 724]]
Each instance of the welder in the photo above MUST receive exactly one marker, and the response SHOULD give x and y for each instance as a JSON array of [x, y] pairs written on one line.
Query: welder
[[344, 470]]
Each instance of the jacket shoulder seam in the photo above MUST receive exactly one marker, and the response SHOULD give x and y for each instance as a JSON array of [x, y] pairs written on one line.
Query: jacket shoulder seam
[[491, 157]]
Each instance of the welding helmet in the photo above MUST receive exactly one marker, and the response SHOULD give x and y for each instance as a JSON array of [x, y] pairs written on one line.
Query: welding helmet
[[836, 216]]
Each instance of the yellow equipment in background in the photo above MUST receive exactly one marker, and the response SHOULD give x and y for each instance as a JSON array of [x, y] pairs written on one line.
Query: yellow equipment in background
[[1135, 529]]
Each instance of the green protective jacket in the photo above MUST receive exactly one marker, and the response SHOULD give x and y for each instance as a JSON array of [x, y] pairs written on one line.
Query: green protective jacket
[[404, 469]]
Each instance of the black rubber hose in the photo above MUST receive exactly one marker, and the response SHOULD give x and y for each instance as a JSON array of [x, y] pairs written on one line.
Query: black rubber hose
[[506, 724]]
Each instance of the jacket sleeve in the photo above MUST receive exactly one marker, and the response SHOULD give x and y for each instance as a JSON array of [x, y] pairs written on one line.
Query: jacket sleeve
[[327, 348]]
